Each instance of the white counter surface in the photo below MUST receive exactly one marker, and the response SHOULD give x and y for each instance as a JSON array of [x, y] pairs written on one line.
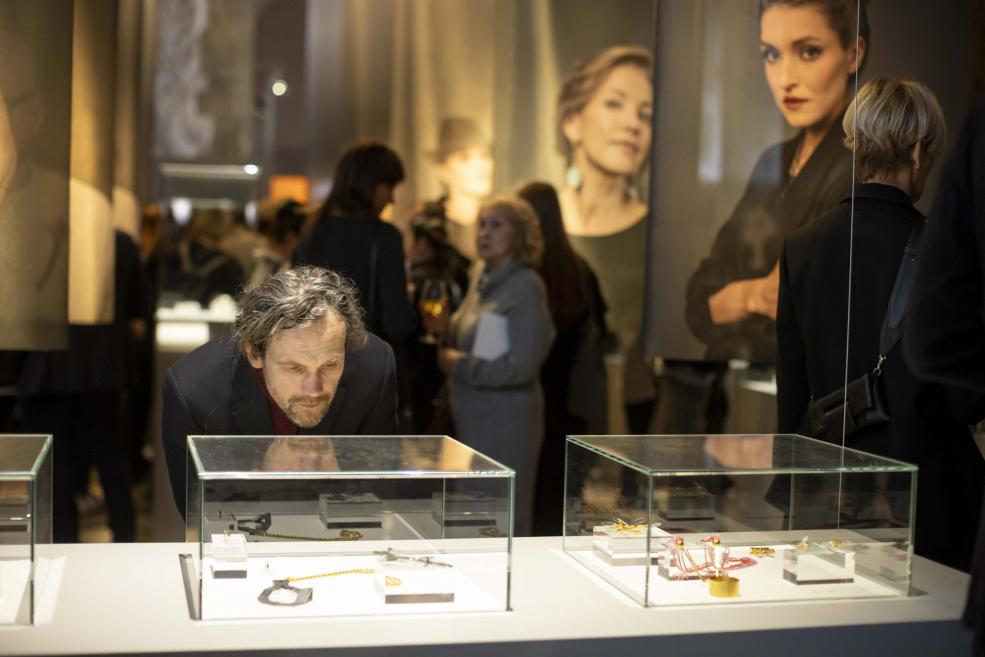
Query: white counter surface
[[131, 599]]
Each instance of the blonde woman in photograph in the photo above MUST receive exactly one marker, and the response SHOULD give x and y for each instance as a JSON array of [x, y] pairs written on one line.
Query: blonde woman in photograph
[[604, 133]]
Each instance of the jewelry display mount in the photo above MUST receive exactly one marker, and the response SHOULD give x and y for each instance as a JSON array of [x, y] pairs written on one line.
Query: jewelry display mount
[[723, 519], [345, 525], [25, 525]]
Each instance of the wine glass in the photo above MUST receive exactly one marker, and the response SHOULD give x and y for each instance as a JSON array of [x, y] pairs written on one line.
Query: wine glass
[[433, 304]]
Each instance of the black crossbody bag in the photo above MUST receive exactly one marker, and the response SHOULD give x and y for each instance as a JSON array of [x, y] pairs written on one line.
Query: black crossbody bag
[[861, 404]]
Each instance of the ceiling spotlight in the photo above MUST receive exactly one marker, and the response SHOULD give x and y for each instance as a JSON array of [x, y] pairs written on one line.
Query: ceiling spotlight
[[251, 169], [279, 87], [181, 210]]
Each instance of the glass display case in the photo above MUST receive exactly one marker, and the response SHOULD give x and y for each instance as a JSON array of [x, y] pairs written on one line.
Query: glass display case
[[345, 525], [697, 519], [25, 525]]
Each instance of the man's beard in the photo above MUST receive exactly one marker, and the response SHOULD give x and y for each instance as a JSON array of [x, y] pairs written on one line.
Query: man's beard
[[311, 415]]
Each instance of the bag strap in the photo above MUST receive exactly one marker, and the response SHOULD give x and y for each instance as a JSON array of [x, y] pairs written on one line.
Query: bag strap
[[891, 330]]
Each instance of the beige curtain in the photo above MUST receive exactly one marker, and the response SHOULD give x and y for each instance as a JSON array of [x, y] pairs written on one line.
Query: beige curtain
[[392, 70], [443, 66], [91, 242], [406, 65], [129, 147]]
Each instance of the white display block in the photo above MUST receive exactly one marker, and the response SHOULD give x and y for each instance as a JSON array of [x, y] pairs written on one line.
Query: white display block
[[400, 584], [818, 563], [229, 555], [625, 544], [465, 515], [350, 511]]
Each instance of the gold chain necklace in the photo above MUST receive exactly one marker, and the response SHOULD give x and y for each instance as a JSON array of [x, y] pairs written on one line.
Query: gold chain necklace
[[303, 596], [260, 526], [334, 573], [344, 535]]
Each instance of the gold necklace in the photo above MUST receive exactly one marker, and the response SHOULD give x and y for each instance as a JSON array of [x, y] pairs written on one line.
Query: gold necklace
[[344, 535], [334, 573], [260, 525], [304, 595]]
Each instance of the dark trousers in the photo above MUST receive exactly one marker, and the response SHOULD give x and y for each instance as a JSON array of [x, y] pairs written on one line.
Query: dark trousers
[[86, 429]]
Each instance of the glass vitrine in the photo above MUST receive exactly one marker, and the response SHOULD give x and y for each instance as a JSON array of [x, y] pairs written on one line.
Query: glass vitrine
[[342, 525], [25, 525], [697, 519]]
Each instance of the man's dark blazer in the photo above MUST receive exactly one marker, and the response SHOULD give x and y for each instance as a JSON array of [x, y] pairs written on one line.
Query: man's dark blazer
[[946, 340], [214, 391], [928, 423]]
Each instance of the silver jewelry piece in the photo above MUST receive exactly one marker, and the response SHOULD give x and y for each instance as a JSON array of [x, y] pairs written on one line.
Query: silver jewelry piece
[[389, 555], [302, 596]]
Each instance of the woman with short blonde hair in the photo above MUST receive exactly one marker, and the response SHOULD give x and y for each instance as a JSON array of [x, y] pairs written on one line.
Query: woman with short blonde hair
[[887, 121], [841, 270]]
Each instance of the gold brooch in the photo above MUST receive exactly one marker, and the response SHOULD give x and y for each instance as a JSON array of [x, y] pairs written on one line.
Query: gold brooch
[[621, 526], [762, 551]]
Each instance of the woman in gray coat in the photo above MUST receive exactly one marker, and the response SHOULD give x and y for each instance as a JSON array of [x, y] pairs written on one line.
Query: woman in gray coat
[[496, 399]]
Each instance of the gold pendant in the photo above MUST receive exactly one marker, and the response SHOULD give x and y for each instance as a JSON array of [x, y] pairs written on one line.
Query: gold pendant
[[723, 586]]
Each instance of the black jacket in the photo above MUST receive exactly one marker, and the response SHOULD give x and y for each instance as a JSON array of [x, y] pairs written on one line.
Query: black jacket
[[946, 340], [344, 243], [214, 391], [928, 423], [748, 244]]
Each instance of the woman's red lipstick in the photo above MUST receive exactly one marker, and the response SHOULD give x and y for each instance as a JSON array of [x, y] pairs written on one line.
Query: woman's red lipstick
[[793, 102]]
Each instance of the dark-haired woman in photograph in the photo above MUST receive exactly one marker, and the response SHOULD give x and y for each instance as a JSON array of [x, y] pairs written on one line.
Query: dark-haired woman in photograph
[[812, 50]]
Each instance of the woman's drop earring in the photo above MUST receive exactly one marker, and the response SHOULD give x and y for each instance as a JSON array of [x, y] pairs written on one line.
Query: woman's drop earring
[[572, 177]]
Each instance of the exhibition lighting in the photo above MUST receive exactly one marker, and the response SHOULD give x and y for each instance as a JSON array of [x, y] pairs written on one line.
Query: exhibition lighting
[[279, 87]]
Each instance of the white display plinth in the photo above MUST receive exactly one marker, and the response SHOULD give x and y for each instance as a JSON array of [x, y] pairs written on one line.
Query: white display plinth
[[351, 594]]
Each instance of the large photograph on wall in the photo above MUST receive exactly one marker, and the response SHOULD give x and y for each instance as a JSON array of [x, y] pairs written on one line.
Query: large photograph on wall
[[481, 98], [748, 147], [35, 122]]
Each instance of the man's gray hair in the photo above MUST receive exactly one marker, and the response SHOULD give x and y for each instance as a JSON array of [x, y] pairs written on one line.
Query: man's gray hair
[[295, 298]]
